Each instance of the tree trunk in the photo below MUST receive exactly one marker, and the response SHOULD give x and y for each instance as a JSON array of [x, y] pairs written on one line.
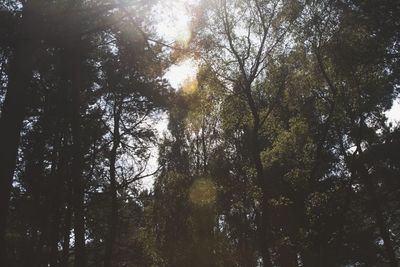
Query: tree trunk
[[265, 225], [58, 168], [113, 219], [77, 157], [13, 113], [33, 178]]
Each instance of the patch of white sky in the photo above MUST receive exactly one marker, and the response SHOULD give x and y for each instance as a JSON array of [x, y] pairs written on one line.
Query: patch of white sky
[[173, 21], [394, 113]]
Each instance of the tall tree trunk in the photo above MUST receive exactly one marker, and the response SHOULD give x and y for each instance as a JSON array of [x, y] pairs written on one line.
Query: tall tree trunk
[[265, 224], [77, 157], [113, 219], [58, 167], [13, 112], [33, 177]]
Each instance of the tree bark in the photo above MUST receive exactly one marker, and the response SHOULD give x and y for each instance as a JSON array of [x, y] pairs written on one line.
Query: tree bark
[[265, 227], [113, 219], [33, 177], [58, 168], [77, 157], [13, 112]]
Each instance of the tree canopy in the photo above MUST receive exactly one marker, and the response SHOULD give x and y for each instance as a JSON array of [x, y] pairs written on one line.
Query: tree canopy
[[278, 153]]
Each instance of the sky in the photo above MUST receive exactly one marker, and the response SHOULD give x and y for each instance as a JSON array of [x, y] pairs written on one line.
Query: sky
[[394, 113]]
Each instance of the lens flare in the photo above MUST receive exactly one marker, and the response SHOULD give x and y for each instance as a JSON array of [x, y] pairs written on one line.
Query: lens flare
[[190, 86], [203, 192]]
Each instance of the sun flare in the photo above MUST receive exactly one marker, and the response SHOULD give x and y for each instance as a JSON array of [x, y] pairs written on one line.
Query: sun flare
[[175, 27], [203, 192], [184, 36]]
